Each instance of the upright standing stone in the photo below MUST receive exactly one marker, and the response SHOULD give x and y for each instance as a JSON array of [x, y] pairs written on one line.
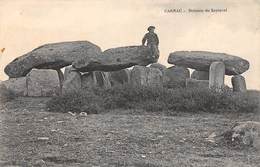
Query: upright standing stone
[[119, 77], [216, 76], [159, 66], [176, 76], [200, 75], [145, 76], [95, 79], [88, 80], [102, 79], [72, 81], [238, 83], [43, 83], [16, 85], [61, 76]]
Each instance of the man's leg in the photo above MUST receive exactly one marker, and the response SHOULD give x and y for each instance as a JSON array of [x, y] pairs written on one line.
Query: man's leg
[[155, 51]]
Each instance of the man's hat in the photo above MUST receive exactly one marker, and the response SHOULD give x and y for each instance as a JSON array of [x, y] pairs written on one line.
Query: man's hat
[[150, 27]]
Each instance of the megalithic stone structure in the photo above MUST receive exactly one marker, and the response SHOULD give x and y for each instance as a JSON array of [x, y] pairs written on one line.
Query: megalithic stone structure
[[238, 83], [216, 76]]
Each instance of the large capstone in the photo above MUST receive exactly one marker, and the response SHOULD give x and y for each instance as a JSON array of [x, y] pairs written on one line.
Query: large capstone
[[43, 83], [146, 76], [117, 58], [201, 61], [52, 56]]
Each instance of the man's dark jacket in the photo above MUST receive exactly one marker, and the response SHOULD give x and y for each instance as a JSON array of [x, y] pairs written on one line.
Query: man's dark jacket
[[151, 38]]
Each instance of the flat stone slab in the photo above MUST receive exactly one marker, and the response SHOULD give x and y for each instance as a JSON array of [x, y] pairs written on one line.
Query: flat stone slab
[[201, 61], [117, 58], [51, 56]]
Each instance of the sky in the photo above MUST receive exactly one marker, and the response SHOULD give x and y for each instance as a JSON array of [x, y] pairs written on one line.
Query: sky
[[27, 24]]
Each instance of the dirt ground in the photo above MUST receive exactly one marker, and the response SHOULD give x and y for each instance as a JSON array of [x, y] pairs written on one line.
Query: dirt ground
[[31, 136]]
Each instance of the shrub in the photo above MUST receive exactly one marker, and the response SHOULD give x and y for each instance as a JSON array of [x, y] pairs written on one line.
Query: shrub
[[78, 102], [153, 99]]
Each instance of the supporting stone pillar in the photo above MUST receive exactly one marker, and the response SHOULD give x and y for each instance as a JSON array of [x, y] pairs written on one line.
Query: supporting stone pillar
[[61, 78], [175, 77], [72, 82], [238, 83], [43, 83], [146, 76], [159, 66], [119, 77], [95, 79], [216, 76], [200, 75], [103, 79]]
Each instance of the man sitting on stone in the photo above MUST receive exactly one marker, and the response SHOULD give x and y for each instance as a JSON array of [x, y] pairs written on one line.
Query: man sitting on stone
[[152, 41]]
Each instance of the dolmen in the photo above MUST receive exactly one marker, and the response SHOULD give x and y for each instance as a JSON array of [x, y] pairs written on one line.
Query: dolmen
[[38, 72], [213, 67]]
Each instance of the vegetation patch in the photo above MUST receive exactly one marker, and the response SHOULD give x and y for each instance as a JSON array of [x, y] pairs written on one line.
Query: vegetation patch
[[153, 99]]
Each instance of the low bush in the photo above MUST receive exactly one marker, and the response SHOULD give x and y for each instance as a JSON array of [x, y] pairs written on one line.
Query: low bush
[[78, 102], [153, 99]]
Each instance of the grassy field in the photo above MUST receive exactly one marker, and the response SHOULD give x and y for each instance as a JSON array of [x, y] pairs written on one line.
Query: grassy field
[[31, 136]]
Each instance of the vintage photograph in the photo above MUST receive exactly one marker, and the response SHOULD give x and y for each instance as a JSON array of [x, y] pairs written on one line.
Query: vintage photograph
[[129, 83]]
